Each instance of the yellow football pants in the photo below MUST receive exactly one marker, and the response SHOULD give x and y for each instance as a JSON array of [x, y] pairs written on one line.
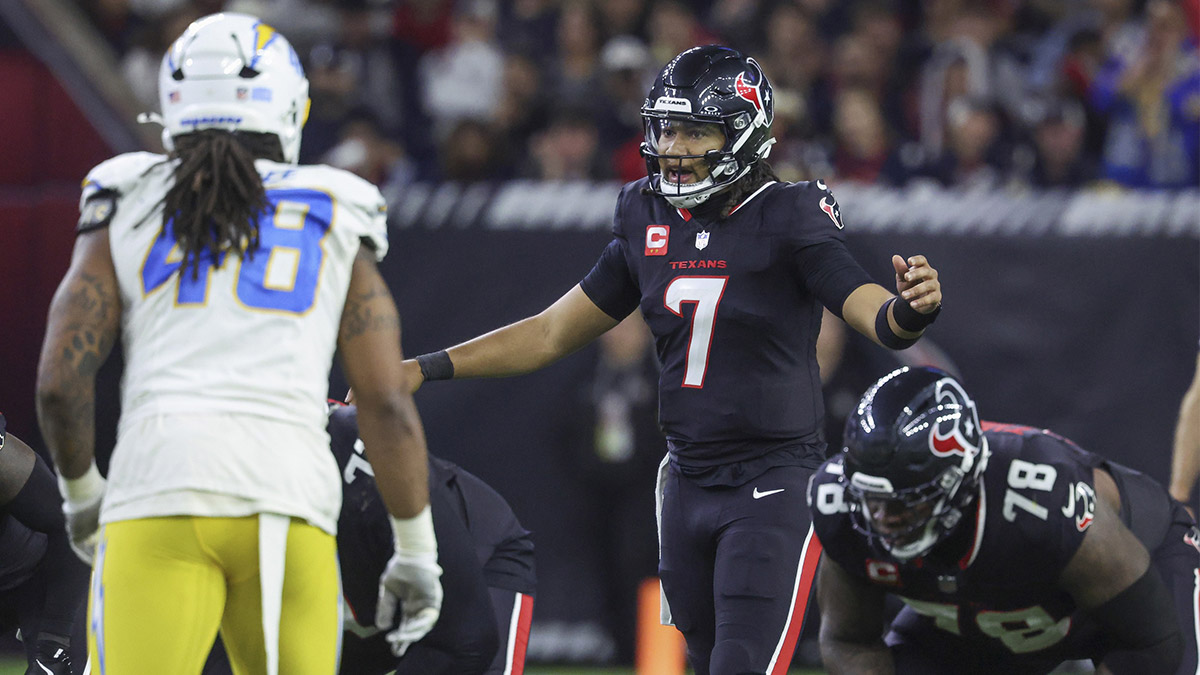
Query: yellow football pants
[[161, 587]]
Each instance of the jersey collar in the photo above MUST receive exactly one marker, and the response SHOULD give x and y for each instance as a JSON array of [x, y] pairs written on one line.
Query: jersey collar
[[752, 196]]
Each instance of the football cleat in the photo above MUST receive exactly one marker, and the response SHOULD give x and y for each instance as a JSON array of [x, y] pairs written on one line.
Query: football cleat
[[52, 658]]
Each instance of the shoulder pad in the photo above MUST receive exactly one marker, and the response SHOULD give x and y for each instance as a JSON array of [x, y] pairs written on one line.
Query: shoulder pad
[[807, 209], [118, 173], [360, 198]]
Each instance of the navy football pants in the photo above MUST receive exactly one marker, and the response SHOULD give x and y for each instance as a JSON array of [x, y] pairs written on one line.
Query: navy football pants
[[737, 567]]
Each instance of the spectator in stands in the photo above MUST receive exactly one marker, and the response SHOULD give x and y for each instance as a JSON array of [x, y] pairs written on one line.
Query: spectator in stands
[[117, 20], [464, 78], [974, 156], [625, 61], [568, 149], [140, 63], [797, 52], [354, 72], [674, 27], [863, 148], [364, 151], [1150, 97], [424, 25], [1056, 157], [575, 75], [524, 25], [624, 17], [472, 153], [524, 107]]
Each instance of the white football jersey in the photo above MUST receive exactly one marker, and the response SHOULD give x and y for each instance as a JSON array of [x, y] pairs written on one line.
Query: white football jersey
[[250, 338]]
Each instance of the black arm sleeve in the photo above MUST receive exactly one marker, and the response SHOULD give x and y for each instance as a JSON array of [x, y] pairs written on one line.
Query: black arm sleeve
[[831, 273], [38, 505], [1145, 632]]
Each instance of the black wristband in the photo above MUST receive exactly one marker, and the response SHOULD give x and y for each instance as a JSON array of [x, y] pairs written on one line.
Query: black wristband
[[436, 366], [883, 330], [910, 319]]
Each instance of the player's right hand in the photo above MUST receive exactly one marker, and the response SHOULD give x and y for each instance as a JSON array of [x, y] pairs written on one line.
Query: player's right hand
[[413, 579]]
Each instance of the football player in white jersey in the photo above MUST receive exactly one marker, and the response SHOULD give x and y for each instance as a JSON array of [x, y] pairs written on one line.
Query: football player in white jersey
[[231, 274]]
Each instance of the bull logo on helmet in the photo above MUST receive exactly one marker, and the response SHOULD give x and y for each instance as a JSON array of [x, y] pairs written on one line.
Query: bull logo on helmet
[[956, 429], [748, 91]]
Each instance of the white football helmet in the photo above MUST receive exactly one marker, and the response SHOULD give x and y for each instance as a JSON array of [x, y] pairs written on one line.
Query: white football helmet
[[232, 71]]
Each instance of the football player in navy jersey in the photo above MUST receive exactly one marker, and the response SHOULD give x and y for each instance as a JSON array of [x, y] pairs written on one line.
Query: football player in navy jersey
[[42, 584], [730, 268], [1012, 549], [487, 571]]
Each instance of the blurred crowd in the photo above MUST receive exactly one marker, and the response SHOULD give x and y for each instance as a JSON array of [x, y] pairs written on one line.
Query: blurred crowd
[[971, 94]]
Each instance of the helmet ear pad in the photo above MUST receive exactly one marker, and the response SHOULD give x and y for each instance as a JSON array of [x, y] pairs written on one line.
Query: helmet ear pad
[[711, 84]]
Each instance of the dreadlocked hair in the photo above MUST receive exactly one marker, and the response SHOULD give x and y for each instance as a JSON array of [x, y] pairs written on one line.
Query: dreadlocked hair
[[217, 194], [760, 174]]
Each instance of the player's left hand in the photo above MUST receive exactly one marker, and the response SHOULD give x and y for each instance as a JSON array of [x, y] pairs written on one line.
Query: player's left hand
[[917, 283], [82, 497], [413, 579]]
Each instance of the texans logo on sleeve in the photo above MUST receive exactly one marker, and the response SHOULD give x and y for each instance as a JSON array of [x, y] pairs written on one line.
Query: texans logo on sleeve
[[1082, 505], [830, 206]]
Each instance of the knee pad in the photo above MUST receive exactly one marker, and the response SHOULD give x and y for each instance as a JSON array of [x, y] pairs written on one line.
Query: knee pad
[[731, 657]]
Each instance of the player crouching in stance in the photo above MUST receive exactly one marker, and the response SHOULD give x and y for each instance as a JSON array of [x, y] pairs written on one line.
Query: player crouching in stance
[[1012, 549]]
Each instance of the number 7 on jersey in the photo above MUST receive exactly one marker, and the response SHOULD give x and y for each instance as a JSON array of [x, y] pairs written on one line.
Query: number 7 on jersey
[[706, 293]]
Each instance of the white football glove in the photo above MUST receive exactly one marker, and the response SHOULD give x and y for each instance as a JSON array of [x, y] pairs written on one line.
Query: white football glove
[[413, 578], [81, 506]]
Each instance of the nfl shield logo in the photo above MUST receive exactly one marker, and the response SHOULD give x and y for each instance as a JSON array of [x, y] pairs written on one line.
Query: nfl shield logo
[[701, 240]]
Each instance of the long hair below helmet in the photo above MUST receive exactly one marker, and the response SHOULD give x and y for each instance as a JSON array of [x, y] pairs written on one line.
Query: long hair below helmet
[[216, 197]]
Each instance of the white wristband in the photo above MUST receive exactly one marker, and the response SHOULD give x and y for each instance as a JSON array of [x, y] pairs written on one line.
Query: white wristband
[[87, 488], [415, 535]]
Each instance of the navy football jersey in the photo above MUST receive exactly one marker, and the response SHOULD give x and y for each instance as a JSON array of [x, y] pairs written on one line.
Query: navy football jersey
[[735, 308], [995, 580], [503, 548]]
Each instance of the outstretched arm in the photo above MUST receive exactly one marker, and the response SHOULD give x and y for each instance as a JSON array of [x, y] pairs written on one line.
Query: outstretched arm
[[1185, 460], [529, 344], [851, 623], [891, 321]]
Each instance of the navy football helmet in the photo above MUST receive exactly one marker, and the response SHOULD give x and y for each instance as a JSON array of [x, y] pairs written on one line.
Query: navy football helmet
[[913, 459], [716, 85]]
